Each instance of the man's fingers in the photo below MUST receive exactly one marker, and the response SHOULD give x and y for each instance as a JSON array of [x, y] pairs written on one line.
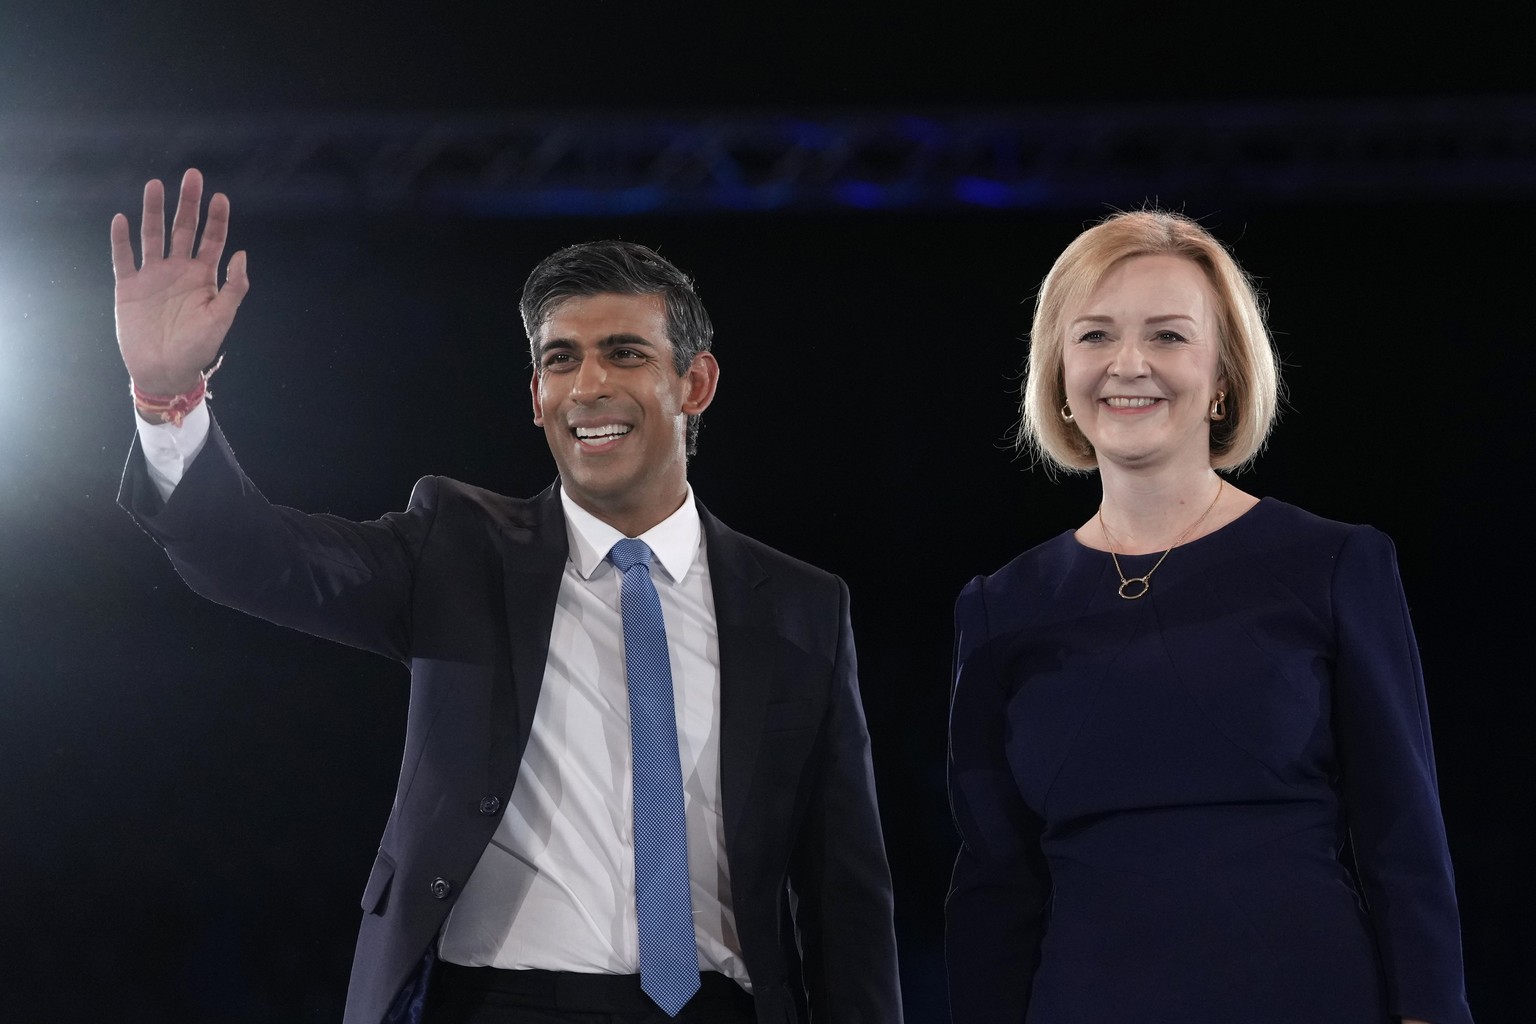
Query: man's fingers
[[184, 226], [236, 283], [122, 248], [227, 301], [152, 223], [215, 231]]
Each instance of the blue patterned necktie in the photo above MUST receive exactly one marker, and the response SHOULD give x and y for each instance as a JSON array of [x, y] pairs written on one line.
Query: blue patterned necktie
[[669, 958]]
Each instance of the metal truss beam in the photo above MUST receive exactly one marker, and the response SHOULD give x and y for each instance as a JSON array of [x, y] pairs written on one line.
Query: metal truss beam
[[521, 165]]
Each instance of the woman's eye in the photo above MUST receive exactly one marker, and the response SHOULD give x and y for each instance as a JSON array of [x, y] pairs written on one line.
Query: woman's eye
[[1169, 336], [1093, 336]]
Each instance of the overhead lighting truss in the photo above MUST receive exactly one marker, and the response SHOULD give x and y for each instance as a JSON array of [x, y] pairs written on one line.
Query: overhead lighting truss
[[526, 165]]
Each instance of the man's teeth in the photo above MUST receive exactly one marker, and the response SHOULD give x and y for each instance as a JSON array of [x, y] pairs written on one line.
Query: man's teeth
[[598, 435], [1129, 403]]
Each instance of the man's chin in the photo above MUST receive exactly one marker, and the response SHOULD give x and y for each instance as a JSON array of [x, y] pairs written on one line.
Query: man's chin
[[598, 490]]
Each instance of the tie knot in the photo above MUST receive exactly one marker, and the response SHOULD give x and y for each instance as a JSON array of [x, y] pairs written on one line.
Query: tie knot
[[630, 552]]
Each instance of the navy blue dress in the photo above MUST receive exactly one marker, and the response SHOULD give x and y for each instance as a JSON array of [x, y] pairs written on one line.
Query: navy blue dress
[[1213, 804]]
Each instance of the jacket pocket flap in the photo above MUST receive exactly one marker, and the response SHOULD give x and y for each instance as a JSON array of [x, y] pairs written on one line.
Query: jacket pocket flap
[[377, 889]]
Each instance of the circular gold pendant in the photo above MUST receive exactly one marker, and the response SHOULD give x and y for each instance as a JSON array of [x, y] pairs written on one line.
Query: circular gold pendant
[[1138, 587]]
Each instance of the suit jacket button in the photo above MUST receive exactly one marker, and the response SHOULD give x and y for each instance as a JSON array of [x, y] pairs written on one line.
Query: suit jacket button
[[441, 887], [490, 805]]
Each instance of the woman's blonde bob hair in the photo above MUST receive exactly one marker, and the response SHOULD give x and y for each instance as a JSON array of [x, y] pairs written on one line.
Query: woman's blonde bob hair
[[1246, 359]]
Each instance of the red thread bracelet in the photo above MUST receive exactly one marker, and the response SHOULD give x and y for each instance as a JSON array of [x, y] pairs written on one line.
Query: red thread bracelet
[[173, 409]]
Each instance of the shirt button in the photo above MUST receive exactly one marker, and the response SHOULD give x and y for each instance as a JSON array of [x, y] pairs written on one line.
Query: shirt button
[[440, 888], [490, 805]]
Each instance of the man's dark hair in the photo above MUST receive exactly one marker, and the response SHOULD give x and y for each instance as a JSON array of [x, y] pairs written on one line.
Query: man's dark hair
[[621, 268]]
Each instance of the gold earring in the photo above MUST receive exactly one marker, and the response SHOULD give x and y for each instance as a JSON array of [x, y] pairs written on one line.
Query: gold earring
[[1066, 413], [1219, 407]]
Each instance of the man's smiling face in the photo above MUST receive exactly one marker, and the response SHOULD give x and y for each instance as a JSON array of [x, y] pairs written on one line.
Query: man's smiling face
[[613, 407]]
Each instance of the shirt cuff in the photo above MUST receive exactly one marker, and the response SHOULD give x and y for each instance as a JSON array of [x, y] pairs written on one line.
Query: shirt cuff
[[169, 449]]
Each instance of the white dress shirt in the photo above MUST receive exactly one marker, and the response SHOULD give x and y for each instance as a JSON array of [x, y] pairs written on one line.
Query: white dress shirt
[[554, 889], [169, 450]]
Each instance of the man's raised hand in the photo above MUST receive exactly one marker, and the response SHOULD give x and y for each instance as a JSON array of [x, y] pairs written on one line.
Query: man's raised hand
[[171, 313]]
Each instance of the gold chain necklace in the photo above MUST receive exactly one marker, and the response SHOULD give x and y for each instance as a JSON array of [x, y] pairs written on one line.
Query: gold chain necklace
[[1145, 582]]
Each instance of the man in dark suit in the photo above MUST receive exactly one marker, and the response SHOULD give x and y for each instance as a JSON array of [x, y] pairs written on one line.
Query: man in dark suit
[[519, 873]]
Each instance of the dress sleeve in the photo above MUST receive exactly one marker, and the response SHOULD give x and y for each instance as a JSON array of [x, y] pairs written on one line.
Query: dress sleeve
[[1389, 787], [995, 914]]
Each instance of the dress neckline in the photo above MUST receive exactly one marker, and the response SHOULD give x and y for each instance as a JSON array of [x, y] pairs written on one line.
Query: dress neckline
[[1071, 535]]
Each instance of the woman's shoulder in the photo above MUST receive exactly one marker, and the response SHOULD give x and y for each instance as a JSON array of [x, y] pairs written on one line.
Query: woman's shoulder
[[1041, 565], [1023, 586], [1282, 523], [1308, 553], [1015, 594]]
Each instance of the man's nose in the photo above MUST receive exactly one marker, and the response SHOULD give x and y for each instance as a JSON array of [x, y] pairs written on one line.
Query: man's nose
[[591, 383]]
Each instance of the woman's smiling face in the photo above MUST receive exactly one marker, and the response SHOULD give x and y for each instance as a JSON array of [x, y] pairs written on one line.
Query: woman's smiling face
[[1141, 363]]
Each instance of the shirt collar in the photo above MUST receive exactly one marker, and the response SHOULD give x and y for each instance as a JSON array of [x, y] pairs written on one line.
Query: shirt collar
[[674, 541]]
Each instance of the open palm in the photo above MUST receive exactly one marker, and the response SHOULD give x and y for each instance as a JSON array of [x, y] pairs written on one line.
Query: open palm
[[172, 315]]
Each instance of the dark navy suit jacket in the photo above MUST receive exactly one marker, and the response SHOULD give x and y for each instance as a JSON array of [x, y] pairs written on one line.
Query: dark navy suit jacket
[[462, 587]]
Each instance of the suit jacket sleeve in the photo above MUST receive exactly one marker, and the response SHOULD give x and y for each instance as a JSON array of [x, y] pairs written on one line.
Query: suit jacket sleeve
[[995, 914], [1390, 789], [326, 575], [838, 868]]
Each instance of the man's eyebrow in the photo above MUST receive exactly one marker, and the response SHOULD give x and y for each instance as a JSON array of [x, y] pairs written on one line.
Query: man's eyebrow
[[626, 341], [612, 341]]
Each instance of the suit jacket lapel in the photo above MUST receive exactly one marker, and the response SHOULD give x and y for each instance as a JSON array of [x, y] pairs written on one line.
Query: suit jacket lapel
[[745, 619], [534, 553]]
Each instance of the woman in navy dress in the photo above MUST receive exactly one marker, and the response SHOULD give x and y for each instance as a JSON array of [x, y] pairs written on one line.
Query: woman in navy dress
[[1190, 756]]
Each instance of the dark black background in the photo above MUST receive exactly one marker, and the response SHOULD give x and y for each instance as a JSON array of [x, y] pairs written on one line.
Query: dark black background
[[190, 799]]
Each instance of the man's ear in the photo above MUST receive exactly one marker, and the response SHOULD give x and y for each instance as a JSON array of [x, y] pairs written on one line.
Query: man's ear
[[538, 400], [702, 377]]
